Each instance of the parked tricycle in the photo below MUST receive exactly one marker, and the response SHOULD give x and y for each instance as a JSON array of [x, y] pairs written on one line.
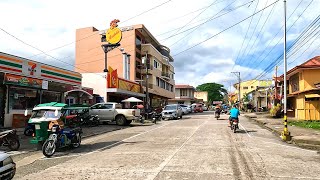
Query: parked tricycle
[[53, 128]]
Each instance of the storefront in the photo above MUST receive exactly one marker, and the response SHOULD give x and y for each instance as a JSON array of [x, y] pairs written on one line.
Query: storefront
[[26, 83]]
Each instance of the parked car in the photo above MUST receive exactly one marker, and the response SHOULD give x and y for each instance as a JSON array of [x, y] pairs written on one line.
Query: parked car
[[172, 111], [198, 108], [204, 107], [185, 109], [108, 112], [8, 167]]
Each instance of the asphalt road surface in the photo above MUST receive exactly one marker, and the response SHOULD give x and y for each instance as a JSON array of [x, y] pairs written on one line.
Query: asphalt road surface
[[196, 147]]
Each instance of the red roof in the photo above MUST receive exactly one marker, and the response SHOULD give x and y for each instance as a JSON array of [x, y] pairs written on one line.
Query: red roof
[[183, 86], [313, 63]]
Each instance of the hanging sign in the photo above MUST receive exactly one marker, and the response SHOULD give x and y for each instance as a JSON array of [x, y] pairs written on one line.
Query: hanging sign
[[113, 34]]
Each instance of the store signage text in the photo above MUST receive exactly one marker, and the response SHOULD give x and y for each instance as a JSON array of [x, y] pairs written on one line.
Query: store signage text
[[113, 81], [22, 81], [114, 34]]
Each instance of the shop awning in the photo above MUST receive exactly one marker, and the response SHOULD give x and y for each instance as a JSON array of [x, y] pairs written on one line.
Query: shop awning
[[121, 91], [79, 90], [312, 95]]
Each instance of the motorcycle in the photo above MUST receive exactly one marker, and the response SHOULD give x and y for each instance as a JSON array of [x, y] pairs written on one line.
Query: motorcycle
[[156, 116], [10, 138], [60, 138], [217, 114], [234, 125], [29, 130], [90, 120]]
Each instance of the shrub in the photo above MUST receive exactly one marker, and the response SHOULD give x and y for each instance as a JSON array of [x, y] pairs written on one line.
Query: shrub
[[275, 111]]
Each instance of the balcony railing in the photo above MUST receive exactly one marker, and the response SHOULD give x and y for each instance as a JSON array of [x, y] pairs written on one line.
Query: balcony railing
[[150, 85], [167, 75]]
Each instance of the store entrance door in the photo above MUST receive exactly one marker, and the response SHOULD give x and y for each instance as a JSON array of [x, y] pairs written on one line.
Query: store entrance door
[[2, 104]]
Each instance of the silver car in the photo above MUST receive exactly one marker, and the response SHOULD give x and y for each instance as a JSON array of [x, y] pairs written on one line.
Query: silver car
[[8, 167], [172, 111], [185, 109]]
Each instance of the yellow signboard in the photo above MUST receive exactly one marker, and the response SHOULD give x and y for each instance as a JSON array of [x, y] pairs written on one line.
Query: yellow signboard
[[129, 86], [113, 34]]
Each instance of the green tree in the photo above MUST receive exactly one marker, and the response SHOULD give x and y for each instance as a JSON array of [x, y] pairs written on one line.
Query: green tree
[[215, 91]]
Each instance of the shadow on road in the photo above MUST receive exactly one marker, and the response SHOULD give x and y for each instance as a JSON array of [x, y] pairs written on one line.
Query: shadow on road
[[245, 131]]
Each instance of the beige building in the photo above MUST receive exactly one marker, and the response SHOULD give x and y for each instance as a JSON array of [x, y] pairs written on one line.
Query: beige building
[[201, 95], [137, 42], [249, 86], [184, 94]]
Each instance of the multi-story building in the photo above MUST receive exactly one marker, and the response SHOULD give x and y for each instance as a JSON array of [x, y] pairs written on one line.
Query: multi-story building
[[137, 42], [304, 90], [184, 94], [249, 86]]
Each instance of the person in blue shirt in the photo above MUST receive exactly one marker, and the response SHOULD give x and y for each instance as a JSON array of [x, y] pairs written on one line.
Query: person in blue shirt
[[234, 114]]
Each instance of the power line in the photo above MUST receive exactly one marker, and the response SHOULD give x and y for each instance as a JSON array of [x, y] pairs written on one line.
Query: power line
[[223, 30], [250, 49], [146, 11], [194, 17], [245, 37], [41, 50], [277, 60], [258, 64], [202, 24]]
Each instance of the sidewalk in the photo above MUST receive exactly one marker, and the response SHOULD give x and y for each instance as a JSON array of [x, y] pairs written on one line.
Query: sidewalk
[[303, 137]]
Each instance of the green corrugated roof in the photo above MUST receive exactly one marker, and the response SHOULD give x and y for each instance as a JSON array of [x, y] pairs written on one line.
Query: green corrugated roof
[[53, 104]]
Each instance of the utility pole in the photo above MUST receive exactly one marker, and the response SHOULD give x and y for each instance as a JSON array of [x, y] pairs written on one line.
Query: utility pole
[[147, 82], [285, 134], [276, 87], [239, 81]]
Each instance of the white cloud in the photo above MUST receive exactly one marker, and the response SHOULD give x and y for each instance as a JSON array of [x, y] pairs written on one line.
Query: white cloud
[[50, 24]]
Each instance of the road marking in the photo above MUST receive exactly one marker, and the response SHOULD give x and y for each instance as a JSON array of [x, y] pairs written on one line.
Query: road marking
[[245, 130], [169, 158]]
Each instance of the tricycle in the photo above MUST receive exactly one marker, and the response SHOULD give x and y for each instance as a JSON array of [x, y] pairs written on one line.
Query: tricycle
[[50, 120]]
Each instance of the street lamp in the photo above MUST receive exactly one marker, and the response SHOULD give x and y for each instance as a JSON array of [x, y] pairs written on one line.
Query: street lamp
[[106, 48]]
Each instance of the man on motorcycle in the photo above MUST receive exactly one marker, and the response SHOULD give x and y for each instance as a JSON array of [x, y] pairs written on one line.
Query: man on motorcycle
[[234, 114], [217, 110]]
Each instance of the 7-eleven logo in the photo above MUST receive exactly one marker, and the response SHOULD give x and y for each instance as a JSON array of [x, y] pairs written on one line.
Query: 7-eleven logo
[[32, 68]]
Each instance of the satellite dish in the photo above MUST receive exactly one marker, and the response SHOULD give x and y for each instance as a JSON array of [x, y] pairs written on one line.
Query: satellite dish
[[56, 112], [26, 112]]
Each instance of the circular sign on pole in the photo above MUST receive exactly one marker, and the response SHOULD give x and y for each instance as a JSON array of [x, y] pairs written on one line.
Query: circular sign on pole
[[113, 35]]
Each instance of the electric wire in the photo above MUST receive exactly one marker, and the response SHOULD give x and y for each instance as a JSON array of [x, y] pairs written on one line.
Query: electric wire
[[259, 63], [201, 24], [194, 18], [197, 44], [146, 11], [245, 37]]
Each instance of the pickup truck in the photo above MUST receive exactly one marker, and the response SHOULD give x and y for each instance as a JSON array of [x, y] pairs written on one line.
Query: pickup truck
[[109, 112]]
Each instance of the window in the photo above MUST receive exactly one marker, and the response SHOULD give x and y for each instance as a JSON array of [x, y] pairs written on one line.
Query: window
[[155, 64], [158, 81], [183, 92], [23, 98], [172, 76], [108, 106], [245, 87], [138, 42], [138, 55]]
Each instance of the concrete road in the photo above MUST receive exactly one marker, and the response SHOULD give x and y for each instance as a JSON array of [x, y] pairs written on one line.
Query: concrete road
[[199, 147]]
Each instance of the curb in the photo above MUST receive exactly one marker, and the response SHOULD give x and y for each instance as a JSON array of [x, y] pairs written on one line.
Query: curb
[[263, 124], [303, 143]]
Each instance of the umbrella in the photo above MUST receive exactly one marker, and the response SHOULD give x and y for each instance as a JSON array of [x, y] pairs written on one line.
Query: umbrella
[[132, 99]]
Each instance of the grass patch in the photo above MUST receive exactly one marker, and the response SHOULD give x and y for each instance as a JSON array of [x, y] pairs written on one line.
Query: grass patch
[[306, 124]]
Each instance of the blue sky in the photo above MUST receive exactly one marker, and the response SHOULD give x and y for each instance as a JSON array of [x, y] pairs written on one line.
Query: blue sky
[[51, 24]]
